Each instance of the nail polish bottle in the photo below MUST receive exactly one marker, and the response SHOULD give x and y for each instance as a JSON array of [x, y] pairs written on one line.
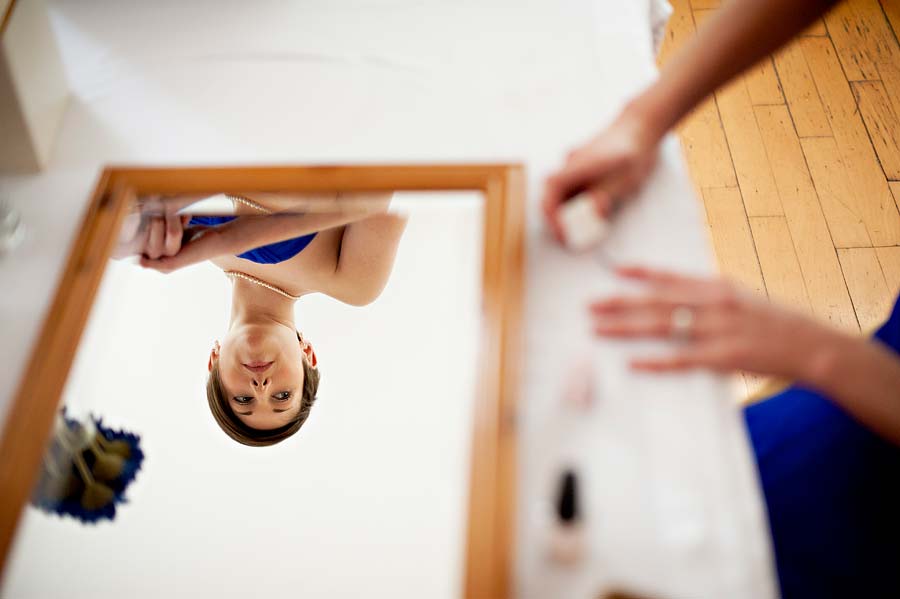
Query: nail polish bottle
[[566, 542], [582, 226]]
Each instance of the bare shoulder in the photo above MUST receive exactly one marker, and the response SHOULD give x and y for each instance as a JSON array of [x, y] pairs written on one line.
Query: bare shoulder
[[309, 271], [351, 263], [368, 251]]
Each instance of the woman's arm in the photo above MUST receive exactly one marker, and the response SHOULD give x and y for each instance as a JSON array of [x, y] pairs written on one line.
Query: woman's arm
[[249, 232], [368, 250], [863, 377], [730, 330], [615, 163], [734, 38]]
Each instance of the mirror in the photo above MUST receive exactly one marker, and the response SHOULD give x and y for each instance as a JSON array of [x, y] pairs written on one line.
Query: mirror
[[299, 377]]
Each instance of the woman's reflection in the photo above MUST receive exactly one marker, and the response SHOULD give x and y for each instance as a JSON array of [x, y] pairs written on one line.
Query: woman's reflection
[[263, 376]]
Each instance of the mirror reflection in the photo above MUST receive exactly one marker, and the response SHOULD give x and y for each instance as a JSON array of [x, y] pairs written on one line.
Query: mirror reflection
[[263, 372], [298, 375]]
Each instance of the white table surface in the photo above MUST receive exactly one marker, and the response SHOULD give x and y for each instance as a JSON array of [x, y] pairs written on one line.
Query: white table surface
[[176, 83]]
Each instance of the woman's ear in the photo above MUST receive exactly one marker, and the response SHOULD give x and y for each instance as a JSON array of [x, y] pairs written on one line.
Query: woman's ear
[[213, 355], [308, 351]]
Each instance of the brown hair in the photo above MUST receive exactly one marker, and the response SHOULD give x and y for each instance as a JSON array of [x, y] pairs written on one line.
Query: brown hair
[[240, 432]]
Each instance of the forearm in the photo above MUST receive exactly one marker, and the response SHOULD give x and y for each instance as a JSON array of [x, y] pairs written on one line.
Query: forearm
[[734, 38], [862, 376], [248, 233]]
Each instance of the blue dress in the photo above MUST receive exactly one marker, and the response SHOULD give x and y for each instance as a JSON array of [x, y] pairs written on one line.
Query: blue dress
[[267, 254], [832, 489]]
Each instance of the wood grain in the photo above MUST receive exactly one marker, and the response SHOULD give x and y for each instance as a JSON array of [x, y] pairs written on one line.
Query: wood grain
[[809, 231], [862, 37], [872, 199], [894, 186], [702, 137], [891, 10], [679, 29], [732, 238], [763, 84], [890, 78], [833, 187], [840, 82], [872, 299], [801, 93], [271, 179], [881, 122], [748, 153], [705, 147], [490, 528], [889, 259], [778, 261], [817, 29]]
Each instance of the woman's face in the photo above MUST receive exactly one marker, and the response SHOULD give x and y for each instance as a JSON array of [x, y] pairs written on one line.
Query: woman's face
[[262, 374]]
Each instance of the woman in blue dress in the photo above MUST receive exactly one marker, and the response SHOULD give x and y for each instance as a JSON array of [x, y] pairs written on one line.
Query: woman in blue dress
[[263, 375], [828, 446]]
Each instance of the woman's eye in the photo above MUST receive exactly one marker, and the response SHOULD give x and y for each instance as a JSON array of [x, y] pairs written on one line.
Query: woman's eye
[[243, 400], [283, 396]]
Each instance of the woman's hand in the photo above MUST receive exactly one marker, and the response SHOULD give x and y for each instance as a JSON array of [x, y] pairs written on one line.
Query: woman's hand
[[722, 328], [203, 244], [609, 167], [150, 236]]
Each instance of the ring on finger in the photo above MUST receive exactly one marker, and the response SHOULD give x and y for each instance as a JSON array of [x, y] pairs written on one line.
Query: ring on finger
[[681, 323]]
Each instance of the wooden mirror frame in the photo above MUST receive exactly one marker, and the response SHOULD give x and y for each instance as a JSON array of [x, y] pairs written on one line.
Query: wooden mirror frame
[[492, 479]]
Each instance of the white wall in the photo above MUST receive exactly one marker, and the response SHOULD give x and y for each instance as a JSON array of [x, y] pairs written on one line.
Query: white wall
[[368, 498]]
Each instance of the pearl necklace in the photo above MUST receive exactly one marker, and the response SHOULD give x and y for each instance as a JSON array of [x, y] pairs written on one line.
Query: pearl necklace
[[248, 202], [234, 274]]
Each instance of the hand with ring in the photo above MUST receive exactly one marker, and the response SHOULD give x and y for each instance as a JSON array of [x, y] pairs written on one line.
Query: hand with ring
[[718, 326]]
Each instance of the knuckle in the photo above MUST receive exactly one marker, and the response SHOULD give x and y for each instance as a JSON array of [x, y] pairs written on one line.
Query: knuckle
[[727, 297]]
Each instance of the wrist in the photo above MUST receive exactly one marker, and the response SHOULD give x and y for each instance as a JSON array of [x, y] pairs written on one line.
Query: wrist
[[822, 362], [649, 115], [217, 241]]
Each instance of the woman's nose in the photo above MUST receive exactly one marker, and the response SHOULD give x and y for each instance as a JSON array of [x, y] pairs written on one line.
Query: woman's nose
[[262, 383]]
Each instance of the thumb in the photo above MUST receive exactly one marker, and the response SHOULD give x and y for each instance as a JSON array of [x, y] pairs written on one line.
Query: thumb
[[577, 176], [163, 264], [586, 171]]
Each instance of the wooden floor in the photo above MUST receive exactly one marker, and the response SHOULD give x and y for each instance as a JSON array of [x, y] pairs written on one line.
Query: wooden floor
[[798, 165]]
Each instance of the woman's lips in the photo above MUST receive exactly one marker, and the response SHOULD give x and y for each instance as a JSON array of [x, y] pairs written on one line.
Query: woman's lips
[[257, 366]]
